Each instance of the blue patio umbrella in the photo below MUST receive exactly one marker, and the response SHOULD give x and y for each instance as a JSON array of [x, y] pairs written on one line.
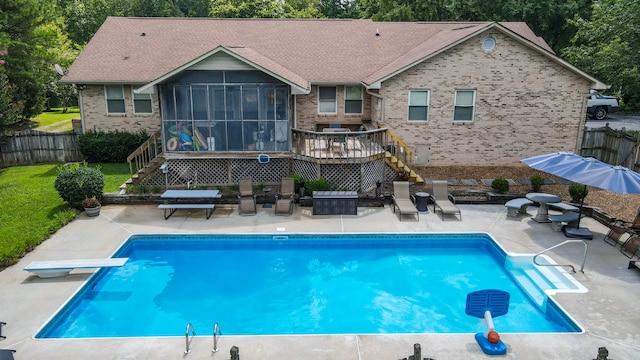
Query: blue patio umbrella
[[586, 171]]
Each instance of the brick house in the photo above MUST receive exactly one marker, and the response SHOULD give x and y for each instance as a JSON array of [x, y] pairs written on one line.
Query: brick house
[[222, 91]]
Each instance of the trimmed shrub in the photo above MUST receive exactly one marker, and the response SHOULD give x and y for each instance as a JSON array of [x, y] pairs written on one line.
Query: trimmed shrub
[[76, 182], [309, 185], [577, 192], [109, 147], [315, 185], [536, 182], [500, 186]]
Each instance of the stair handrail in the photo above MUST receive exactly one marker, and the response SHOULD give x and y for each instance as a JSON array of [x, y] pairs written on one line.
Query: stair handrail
[[186, 337], [573, 270], [398, 148], [145, 153], [216, 329]]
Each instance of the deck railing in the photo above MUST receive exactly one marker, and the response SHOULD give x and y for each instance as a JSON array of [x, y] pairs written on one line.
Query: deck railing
[[338, 145]]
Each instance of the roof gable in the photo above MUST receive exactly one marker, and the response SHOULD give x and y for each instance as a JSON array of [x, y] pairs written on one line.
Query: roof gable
[[244, 56]]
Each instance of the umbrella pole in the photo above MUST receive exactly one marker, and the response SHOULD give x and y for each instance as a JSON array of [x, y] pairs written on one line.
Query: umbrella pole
[[581, 205], [570, 231]]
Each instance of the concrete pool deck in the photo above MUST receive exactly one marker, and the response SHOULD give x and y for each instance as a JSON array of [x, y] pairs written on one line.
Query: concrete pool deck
[[608, 312]]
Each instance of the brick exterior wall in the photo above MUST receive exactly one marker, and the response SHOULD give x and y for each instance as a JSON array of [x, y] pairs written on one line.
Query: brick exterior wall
[[307, 117], [525, 104], [94, 112]]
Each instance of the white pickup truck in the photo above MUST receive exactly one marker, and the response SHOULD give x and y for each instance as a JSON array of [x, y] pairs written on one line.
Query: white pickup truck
[[598, 106]]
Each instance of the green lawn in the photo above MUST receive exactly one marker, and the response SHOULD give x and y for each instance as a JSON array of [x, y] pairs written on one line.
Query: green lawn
[[56, 120], [31, 209]]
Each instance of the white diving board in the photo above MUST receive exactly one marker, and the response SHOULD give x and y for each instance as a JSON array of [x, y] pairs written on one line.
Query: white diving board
[[56, 268]]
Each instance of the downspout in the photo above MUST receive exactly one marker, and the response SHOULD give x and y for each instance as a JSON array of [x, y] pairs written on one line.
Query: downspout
[[583, 120], [79, 89], [381, 122]]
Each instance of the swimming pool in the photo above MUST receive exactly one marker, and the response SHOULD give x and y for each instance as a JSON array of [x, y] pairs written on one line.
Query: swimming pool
[[270, 284]]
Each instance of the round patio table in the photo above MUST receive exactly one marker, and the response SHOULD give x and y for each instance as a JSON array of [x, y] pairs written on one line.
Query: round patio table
[[542, 216]]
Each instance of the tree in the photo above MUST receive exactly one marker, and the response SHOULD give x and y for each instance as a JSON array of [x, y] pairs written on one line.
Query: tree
[[547, 18], [10, 109], [265, 9], [608, 47], [340, 9], [246, 9], [25, 40]]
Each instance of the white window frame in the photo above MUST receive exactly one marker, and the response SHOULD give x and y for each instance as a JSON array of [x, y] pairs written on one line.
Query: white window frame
[[141, 97], [346, 99], [326, 102], [472, 106], [427, 105], [107, 99]]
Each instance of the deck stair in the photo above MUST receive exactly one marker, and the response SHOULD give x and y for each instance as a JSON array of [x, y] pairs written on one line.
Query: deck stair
[[399, 156], [145, 159]]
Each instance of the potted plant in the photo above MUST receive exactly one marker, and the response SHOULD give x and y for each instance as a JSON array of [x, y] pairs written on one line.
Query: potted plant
[[91, 206]]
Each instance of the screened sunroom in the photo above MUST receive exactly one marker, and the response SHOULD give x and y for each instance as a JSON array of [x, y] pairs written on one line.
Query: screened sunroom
[[225, 111]]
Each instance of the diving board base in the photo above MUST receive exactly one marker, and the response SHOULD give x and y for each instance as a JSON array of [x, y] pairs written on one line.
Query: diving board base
[[490, 348], [58, 268]]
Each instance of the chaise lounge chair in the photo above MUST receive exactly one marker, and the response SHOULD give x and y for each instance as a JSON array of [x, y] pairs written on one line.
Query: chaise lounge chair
[[246, 198], [402, 200], [443, 200], [284, 200], [634, 225], [631, 247], [618, 234]]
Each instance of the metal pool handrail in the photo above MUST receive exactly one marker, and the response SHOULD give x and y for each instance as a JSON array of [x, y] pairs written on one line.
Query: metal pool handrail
[[216, 329], [584, 258], [186, 337]]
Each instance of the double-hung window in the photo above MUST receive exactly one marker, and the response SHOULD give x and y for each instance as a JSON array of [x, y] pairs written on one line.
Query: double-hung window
[[141, 103], [465, 105], [353, 100], [418, 105], [115, 99], [327, 100]]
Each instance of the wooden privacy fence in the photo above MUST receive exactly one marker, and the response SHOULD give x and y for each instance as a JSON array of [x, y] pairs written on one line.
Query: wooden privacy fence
[[615, 147], [32, 147]]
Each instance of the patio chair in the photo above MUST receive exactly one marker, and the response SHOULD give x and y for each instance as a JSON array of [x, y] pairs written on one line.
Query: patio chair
[[1, 325], [618, 233], [402, 200], [443, 200], [631, 247], [246, 198], [284, 200]]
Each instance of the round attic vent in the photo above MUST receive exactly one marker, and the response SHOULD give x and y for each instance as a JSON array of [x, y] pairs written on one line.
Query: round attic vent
[[488, 44]]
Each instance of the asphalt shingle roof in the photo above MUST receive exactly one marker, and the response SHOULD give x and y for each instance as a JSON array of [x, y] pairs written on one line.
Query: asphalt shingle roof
[[303, 51]]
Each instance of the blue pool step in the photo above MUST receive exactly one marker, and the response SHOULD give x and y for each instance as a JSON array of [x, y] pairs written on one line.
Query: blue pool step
[[529, 285]]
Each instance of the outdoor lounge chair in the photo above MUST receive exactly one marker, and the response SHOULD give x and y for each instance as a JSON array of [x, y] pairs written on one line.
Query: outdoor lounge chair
[[634, 225], [402, 200], [618, 233], [284, 200], [631, 247], [246, 198], [443, 200]]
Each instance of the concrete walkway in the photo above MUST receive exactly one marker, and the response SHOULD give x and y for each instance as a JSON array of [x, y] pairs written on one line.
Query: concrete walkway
[[608, 312]]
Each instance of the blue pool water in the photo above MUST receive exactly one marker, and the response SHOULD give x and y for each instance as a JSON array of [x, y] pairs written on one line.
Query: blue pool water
[[300, 284]]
